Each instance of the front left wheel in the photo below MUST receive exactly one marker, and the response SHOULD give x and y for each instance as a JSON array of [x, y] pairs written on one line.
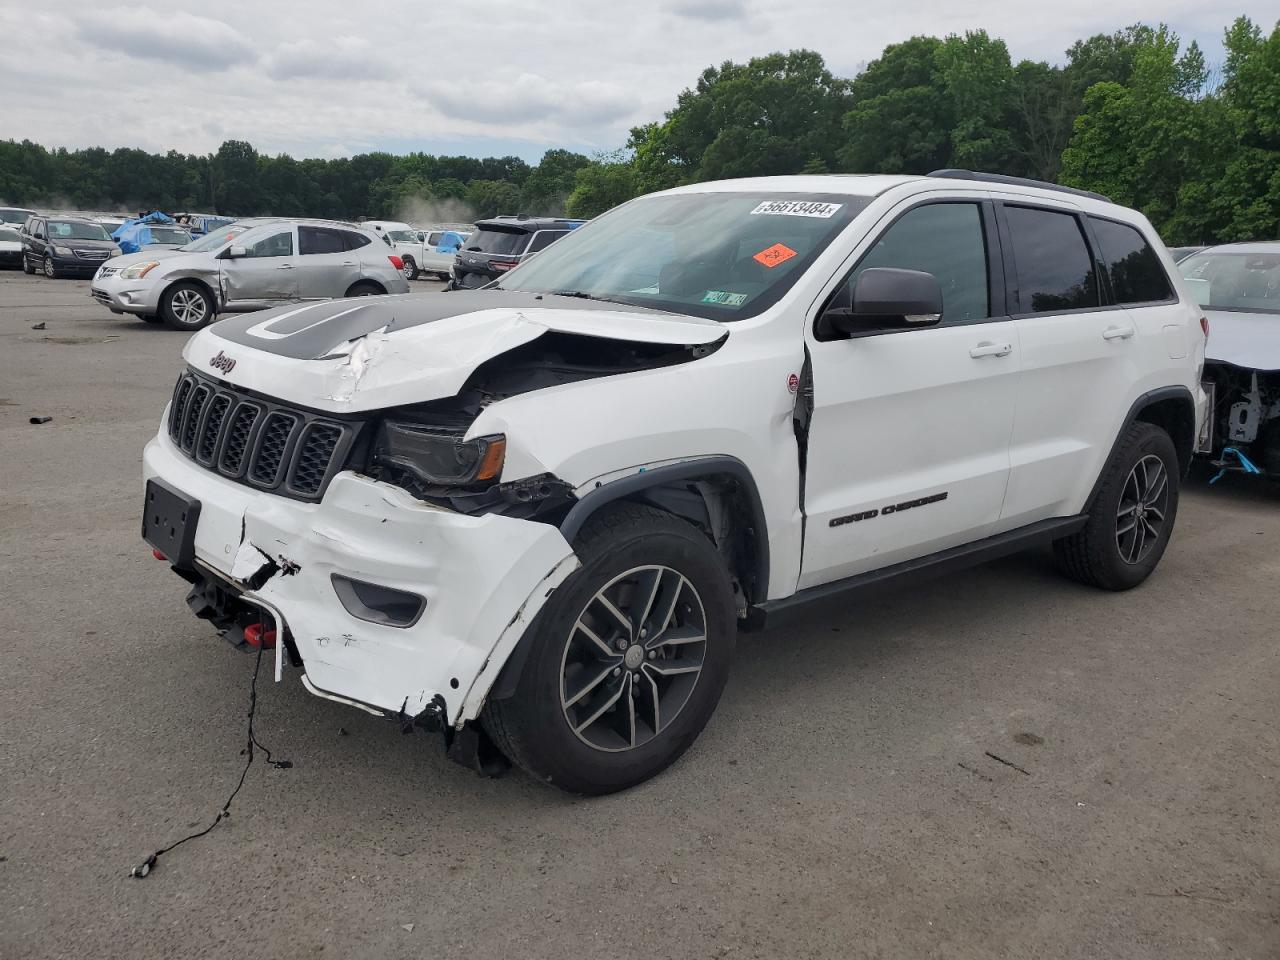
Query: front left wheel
[[186, 306], [628, 658]]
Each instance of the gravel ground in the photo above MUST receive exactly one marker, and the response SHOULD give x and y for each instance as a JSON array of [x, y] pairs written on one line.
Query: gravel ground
[[999, 764]]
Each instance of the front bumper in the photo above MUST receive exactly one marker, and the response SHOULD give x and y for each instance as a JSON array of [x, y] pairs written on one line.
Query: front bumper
[[484, 579], [68, 266], [125, 296]]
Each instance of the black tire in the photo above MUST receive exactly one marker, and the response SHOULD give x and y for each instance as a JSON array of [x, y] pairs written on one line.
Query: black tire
[[187, 306], [533, 728], [27, 268], [1107, 552], [410, 270], [49, 269], [364, 288]]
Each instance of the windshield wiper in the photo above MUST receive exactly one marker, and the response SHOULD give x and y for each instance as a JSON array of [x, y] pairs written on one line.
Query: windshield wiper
[[583, 295]]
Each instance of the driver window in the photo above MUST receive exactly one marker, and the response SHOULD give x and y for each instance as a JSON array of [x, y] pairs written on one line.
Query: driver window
[[944, 239], [277, 245]]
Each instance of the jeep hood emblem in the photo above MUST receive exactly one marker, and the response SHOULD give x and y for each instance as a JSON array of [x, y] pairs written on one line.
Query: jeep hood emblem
[[222, 362]]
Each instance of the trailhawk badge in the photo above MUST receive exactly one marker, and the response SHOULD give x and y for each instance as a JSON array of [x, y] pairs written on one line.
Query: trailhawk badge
[[222, 362]]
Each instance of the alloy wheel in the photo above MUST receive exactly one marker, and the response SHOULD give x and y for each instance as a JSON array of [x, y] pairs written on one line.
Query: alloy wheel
[[48, 268], [1144, 501], [410, 271], [189, 307], [632, 658]]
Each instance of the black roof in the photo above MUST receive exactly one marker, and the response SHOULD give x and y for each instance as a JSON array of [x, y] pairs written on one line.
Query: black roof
[[523, 223], [1015, 181]]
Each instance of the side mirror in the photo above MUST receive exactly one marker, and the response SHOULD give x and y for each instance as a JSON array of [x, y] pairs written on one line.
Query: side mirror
[[888, 298], [236, 252]]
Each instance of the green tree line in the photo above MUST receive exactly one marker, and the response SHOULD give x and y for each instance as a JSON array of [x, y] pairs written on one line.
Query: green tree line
[[1134, 114]]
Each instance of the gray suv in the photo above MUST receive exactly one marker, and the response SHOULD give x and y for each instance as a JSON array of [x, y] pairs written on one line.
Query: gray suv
[[249, 265]]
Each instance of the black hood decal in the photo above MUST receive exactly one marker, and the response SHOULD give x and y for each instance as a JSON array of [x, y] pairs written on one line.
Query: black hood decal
[[310, 331]]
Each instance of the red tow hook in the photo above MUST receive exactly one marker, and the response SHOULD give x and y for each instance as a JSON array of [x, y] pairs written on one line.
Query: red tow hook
[[159, 556], [256, 636]]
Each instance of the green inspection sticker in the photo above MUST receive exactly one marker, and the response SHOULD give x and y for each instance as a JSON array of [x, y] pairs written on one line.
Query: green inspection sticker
[[724, 298]]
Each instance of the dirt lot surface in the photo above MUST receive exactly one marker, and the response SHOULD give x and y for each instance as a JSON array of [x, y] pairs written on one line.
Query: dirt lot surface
[[999, 764]]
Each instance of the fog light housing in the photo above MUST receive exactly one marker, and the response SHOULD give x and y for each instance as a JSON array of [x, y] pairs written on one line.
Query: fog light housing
[[375, 603]]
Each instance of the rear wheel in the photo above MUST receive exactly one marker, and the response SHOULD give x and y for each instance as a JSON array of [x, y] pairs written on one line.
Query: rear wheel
[[364, 289], [186, 306], [628, 657], [1132, 515], [410, 269], [27, 268]]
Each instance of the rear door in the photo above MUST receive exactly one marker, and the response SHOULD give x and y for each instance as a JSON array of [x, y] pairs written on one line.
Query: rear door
[[266, 274], [1080, 360], [908, 448], [326, 267]]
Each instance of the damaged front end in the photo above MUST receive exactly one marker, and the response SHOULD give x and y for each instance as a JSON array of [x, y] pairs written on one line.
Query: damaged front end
[[1241, 433], [390, 556]]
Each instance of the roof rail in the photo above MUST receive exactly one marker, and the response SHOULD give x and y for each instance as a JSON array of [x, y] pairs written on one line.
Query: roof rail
[[1016, 181]]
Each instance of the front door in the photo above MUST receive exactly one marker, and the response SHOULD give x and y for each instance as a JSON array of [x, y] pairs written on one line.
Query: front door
[[266, 274], [908, 449]]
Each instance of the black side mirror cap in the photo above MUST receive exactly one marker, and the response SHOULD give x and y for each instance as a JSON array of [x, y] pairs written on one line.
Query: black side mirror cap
[[888, 298]]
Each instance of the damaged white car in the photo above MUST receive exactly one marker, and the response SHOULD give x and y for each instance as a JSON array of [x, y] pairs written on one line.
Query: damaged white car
[[533, 517], [1238, 285]]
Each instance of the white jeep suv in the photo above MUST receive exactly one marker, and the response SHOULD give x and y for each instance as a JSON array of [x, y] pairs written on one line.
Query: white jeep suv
[[533, 517]]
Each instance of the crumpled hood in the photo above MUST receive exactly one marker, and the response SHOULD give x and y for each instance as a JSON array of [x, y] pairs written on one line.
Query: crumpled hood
[[1248, 340], [370, 353]]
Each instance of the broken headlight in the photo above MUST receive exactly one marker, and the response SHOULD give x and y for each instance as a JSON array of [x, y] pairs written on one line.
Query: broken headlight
[[435, 456]]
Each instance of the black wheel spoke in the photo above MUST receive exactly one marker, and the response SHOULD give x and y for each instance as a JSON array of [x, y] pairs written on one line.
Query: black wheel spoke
[[632, 659], [1140, 516]]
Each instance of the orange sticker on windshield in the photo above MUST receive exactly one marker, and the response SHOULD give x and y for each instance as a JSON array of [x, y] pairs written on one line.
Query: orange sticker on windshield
[[772, 256]]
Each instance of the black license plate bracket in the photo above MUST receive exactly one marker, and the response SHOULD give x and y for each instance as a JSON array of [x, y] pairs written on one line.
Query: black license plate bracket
[[169, 521]]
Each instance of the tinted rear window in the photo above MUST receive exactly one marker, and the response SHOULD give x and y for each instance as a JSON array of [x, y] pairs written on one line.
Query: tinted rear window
[[1055, 270], [497, 241], [355, 240], [1134, 267], [312, 240]]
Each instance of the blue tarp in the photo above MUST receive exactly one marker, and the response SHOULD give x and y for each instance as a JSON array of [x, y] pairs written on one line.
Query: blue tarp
[[132, 235], [450, 242]]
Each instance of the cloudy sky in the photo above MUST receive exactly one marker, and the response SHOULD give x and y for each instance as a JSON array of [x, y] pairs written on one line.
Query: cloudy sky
[[337, 77]]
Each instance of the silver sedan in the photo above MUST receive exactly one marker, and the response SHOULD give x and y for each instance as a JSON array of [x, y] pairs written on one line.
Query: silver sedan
[[249, 265]]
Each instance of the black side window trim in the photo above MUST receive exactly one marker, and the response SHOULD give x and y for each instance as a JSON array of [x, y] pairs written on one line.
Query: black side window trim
[[1102, 265], [997, 301], [1106, 295]]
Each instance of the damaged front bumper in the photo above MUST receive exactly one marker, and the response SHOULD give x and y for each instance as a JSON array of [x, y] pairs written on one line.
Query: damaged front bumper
[[481, 580]]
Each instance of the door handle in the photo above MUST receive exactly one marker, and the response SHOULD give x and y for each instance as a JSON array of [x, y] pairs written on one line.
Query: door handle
[[348, 263], [1117, 333], [285, 266], [988, 349]]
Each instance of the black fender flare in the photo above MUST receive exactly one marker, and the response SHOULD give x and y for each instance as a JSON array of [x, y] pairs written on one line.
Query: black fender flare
[[1144, 402], [632, 487]]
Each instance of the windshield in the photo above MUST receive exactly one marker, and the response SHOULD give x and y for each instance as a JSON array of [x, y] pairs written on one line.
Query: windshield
[[214, 240], [403, 236], [71, 230], [111, 226], [169, 235], [724, 256], [1234, 280], [491, 240], [13, 215]]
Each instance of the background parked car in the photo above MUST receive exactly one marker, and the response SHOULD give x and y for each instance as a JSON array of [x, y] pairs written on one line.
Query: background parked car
[[65, 246], [391, 231], [1181, 253], [249, 265], [501, 243], [111, 224], [1238, 285], [431, 251], [10, 246], [15, 215]]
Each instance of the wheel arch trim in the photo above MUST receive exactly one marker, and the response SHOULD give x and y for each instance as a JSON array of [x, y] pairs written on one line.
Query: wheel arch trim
[[1184, 446]]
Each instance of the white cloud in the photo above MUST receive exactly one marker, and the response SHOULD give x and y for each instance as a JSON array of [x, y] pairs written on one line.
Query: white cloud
[[174, 37], [331, 76]]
